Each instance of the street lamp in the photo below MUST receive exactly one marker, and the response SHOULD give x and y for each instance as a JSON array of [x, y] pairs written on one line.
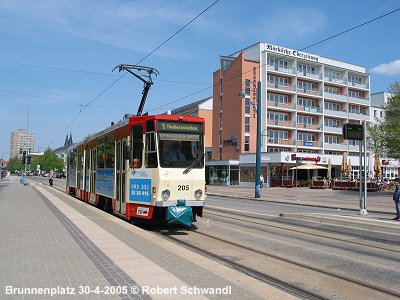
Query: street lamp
[[258, 146]]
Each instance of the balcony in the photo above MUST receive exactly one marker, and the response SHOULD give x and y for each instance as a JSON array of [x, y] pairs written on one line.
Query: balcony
[[280, 123], [309, 126], [281, 105], [281, 70], [278, 141], [358, 116], [276, 85], [335, 80], [342, 147], [309, 143], [333, 129], [364, 101], [314, 75], [335, 96], [313, 109], [336, 113], [358, 85], [309, 92]]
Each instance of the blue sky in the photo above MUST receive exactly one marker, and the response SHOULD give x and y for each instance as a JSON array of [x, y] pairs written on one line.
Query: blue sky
[[95, 36]]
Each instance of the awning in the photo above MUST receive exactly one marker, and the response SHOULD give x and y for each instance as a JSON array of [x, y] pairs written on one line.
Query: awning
[[309, 167]]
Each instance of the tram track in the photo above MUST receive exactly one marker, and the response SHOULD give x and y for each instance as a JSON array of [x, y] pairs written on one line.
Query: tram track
[[374, 291], [279, 222], [287, 262]]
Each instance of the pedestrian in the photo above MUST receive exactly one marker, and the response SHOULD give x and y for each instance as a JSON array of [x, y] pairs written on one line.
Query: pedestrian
[[51, 176], [396, 199], [261, 181]]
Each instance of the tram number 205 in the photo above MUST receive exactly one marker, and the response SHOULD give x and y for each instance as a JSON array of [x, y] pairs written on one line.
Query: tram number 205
[[183, 187]]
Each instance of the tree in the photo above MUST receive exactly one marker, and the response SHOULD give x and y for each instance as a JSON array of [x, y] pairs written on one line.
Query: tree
[[48, 161], [14, 164], [385, 136]]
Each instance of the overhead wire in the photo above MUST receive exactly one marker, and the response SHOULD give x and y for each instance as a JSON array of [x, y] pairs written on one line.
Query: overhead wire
[[283, 56], [116, 81]]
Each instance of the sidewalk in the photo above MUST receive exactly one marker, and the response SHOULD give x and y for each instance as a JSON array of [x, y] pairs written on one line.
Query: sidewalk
[[379, 202], [55, 242]]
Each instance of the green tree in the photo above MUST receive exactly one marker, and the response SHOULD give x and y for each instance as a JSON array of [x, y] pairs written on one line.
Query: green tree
[[385, 136], [48, 161], [14, 164]]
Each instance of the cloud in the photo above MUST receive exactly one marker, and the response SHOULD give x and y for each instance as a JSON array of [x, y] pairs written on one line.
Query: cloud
[[138, 25], [391, 68]]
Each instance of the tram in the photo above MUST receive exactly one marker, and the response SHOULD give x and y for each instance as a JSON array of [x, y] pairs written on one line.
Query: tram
[[148, 168]]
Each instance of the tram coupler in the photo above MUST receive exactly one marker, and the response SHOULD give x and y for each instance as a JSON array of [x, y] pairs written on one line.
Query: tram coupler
[[180, 214]]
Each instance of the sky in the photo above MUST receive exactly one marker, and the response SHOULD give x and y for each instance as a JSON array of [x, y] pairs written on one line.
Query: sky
[[58, 56]]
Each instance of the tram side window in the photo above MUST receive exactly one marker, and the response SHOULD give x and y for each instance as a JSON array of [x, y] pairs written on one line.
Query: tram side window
[[151, 150], [137, 145], [100, 156], [109, 150]]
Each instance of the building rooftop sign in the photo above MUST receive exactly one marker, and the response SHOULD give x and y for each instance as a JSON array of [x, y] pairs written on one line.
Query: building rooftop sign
[[291, 52]]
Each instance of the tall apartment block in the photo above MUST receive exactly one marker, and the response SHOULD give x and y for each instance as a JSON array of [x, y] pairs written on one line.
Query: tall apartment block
[[21, 140], [305, 101]]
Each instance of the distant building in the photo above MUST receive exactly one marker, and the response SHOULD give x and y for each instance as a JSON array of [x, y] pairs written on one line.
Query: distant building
[[21, 141], [203, 109], [390, 168], [62, 151]]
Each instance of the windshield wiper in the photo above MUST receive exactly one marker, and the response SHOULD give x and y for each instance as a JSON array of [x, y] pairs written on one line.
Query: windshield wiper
[[190, 167]]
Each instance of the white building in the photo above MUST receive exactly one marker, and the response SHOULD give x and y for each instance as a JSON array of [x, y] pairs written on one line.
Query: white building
[[305, 101], [390, 167]]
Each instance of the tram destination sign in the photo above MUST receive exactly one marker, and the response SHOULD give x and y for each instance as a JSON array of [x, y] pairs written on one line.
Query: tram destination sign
[[353, 132], [166, 126]]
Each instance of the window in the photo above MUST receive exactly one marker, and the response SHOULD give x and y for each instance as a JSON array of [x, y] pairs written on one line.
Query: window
[[308, 120], [137, 145], [354, 109], [247, 124], [332, 122], [278, 98], [277, 63], [307, 86], [306, 137], [151, 150], [278, 81], [332, 106], [332, 90], [332, 139], [355, 94], [332, 74], [246, 143], [305, 69], [305, 102], [247, 106], [277, 116], [355, 79], [247, 87], [275, 135], [100, 153]]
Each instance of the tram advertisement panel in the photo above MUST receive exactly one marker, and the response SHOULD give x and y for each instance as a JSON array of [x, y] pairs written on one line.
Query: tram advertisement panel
[[140, 190], [105, 182]]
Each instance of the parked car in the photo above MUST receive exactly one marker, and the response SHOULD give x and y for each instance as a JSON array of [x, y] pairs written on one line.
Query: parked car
[[60, 175]]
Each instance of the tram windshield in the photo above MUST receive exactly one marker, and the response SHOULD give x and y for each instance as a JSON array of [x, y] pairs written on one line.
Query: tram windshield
[[179, 150]]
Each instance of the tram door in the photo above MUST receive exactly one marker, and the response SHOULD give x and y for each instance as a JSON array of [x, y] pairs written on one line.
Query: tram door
[[121, 175], [92, 175]]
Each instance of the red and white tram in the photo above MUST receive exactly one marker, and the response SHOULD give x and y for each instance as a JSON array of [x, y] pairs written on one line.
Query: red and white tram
[[143, 167]]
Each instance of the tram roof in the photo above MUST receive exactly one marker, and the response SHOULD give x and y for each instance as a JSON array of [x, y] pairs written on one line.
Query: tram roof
[[139, 119]]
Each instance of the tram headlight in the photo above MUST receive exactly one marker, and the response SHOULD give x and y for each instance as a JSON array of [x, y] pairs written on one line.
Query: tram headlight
[[197, 194], [165, 194]]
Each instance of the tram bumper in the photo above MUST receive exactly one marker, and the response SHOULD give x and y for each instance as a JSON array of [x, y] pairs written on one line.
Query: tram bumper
[[180, 214]]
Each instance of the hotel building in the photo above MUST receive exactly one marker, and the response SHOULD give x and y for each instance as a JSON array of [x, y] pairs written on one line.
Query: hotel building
[[305, 100]]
